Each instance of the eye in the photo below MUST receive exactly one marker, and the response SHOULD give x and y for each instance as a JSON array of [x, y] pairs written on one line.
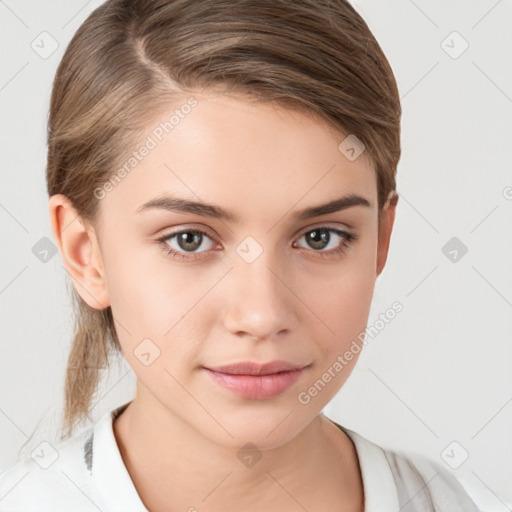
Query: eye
[[184, 244], [188, 240], [321, 238]]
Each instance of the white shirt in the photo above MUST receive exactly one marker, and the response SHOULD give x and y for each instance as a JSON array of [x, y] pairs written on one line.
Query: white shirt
[[86, 473]]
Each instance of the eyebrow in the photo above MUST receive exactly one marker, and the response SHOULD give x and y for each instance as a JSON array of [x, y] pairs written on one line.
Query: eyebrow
[[181, 205]]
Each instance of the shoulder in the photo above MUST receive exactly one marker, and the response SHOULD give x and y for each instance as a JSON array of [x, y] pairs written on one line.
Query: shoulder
[[407, 481], [54, 477], [424, 485]]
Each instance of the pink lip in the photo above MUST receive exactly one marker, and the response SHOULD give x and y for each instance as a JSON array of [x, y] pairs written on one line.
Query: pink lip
[[257, 381]]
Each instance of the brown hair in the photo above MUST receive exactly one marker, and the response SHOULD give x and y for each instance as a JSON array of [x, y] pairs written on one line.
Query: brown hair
[[130, 58]]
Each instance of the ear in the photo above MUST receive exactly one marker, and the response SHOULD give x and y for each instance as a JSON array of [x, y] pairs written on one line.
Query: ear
[[80, 252], [385, 228]]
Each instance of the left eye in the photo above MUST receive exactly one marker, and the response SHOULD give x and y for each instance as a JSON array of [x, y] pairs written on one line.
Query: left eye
[[318, 237]]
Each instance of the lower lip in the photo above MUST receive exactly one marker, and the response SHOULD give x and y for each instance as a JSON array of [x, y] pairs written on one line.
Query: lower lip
[[256, 387]]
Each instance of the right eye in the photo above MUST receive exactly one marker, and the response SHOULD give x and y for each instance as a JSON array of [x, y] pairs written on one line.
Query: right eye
[[186, 241]]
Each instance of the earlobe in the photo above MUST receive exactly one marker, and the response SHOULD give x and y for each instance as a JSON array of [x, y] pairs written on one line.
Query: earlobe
[[80, 252], [385, 229]]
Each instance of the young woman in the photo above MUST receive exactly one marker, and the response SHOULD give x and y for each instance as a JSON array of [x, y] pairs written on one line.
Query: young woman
[[222, 191]]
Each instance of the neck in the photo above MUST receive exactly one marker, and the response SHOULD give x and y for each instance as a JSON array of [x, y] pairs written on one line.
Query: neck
[[215, 475]]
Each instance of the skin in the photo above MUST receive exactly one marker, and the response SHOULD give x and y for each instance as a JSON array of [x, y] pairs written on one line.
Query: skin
[[180, 436]]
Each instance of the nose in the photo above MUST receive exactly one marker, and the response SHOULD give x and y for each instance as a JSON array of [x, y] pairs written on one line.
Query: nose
[[259, 299]]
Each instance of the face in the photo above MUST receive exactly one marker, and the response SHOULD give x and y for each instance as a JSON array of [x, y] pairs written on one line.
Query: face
[[191, 291]]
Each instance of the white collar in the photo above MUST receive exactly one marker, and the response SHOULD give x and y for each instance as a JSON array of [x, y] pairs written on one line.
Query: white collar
[[111, 478], [380, 492]]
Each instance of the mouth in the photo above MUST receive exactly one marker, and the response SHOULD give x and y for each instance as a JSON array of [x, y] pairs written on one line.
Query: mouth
[[254, 368], [256, 381]]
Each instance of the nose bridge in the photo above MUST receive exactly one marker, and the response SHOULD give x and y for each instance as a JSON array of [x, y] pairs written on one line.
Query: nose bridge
[[260, 303], [259, 277]]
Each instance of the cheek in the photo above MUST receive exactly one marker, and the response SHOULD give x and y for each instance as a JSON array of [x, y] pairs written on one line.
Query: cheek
[[154, 299], [342, 304], [340, 299], [147, 290]]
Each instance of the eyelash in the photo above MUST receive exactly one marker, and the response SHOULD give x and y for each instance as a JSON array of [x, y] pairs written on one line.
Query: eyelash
[[348, 239]]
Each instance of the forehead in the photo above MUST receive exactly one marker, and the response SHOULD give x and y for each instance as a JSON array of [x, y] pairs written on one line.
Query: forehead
[[245, 155]]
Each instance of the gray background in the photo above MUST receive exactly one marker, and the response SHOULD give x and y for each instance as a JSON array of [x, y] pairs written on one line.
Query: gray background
[[436, 380]]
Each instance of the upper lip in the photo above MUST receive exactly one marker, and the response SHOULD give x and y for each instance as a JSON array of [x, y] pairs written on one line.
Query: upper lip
[[253, 368]]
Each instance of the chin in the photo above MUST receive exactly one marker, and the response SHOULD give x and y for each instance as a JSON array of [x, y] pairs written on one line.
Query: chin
[[266, 428]]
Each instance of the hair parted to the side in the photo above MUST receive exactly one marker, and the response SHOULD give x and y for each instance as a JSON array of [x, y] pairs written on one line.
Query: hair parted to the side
[[131, 58]]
